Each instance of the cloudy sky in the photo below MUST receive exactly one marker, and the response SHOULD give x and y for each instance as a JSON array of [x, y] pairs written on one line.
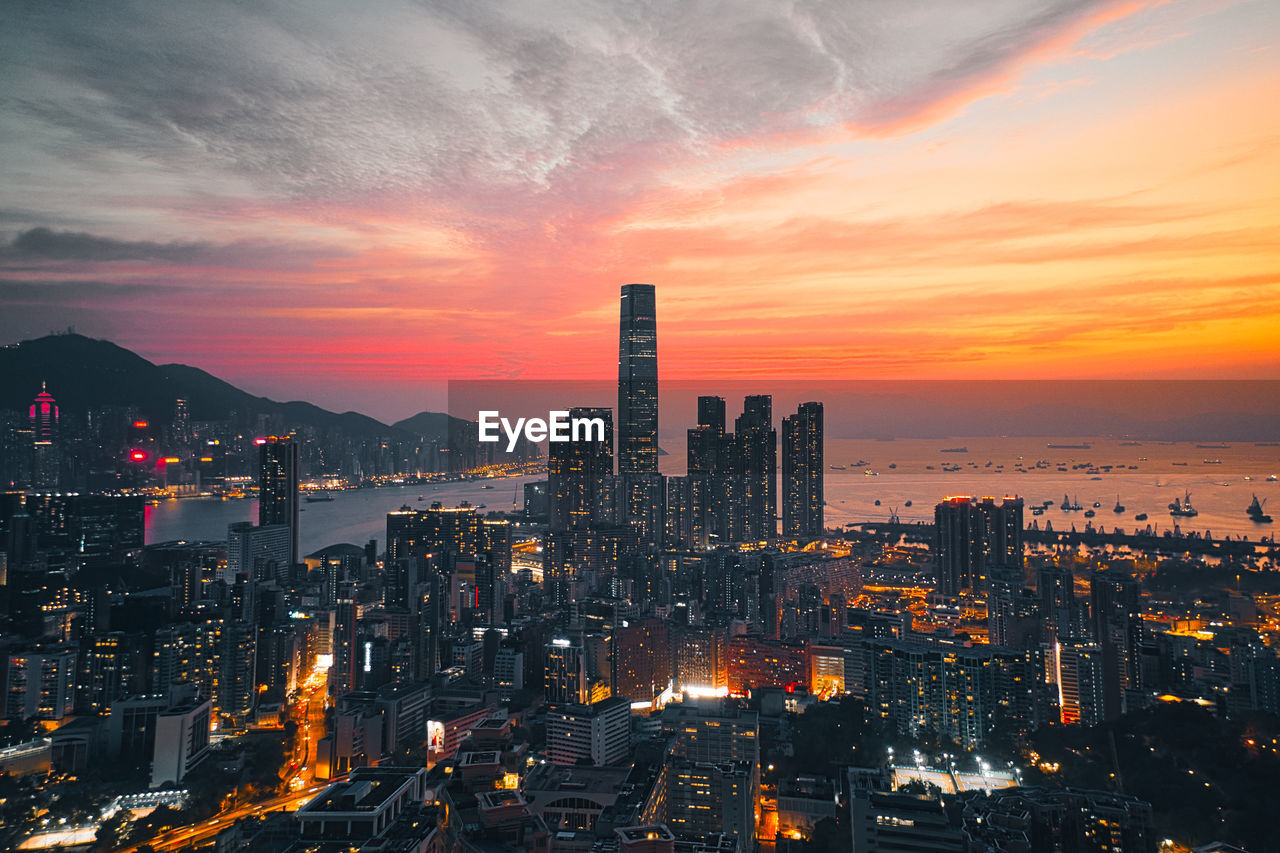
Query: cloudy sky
[[353, 202]]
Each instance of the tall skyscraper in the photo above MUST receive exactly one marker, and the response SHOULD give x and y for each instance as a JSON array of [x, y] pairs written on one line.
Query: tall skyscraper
[[753, 463], [1115, 606], [43, 415], [579, 475], [638, 381], [802, 514], [972, 537], [278, 488]]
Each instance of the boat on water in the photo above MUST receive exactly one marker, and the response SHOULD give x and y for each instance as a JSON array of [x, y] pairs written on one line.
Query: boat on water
[[1069, 446], [1037, 510], [1272, 478], [1066, 504], [954, 450], [486, 486], [1119, 507], [1088, 513], [318, 497], [1183, 508], [1075, 504], [1256, 513], [1142, 516], [837, 467]]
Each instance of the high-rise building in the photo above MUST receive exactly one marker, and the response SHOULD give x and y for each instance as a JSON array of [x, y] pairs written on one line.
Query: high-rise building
[[1013, 613], [747, 473], [642, 659], [638, 381], [260, 553], [802, 435], [181, 741], [972, 537], [566, 680], [429, 605], [40, 683], [599, 734], [1063, 612], [703, 799], [700, 658], [344, 673], [1116, 609], [579, 475], [1079, 675], [43, 415], [278, 487]]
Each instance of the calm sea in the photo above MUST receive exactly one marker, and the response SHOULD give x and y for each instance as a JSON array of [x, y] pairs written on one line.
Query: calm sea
[[1221, 480]]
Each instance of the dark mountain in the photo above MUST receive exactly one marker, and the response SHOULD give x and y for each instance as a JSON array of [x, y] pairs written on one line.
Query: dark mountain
[[84, 373], [430, 424]]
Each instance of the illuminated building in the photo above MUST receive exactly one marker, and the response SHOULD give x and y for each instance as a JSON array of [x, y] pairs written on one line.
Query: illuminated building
[[704, 798], [429, 609], [882, 821], [713, 731], [278, 487], [974, 537], [43, 417], [689, 511], [181, 741], [961, 693], [755, 662], [260, 553], [700, 659], [642, 659], [344, 673], [1063, 612], [40, 683], [749, 473], [802, 473], [459, 531], [1115, 601], [566, 681], [638, 381], [1013, 613], [579, 476], [599, 733], [1079, 674], [508, 670], [112, 667]]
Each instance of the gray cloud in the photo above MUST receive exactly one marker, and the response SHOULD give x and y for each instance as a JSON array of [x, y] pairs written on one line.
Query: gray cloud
[[47, 244], [486, 108], [35, 247]]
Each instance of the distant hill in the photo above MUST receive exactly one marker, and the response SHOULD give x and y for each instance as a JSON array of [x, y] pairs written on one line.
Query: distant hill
[[84, 373]]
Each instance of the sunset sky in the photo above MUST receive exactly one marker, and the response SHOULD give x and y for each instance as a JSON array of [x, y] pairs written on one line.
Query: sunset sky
[[353, 202]]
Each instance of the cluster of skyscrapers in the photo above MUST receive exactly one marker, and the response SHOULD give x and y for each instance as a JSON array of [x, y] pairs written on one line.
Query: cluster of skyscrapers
[[629, 515]]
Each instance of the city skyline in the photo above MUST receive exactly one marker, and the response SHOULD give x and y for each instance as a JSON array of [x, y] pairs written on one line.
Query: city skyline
[[986, 190]]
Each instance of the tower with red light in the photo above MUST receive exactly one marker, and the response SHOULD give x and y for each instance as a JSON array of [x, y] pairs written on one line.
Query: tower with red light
[[43, 415]]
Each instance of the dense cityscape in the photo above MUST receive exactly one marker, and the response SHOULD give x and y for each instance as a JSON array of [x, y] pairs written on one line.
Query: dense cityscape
[[626, 661]]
